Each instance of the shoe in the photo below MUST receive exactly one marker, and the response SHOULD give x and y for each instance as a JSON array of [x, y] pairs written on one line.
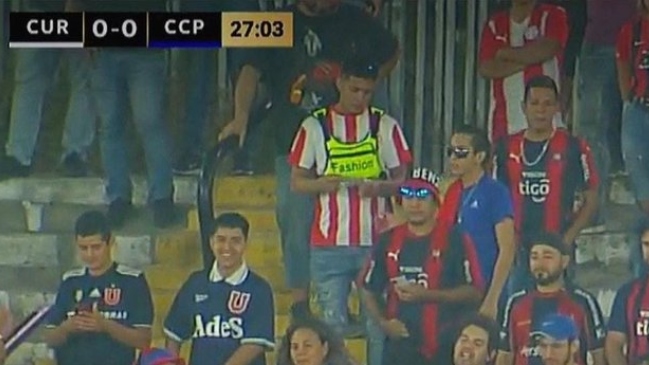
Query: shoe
[[118, 211], [74, 166], [188, 164], [10, 168], [164, 213], [300, 311]]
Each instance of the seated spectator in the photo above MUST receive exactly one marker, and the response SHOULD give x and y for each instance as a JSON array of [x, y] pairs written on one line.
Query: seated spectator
[[518, 43], [549, 257], [102, 311], [226, 310], [558, 340], [430, 274], [476, 341], [310, 341]]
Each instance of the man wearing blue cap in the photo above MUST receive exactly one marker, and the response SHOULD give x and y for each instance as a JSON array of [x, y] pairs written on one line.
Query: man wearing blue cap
[[558, 340]]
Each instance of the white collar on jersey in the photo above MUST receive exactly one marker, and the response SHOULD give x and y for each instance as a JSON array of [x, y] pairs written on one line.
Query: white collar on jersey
[[236, 278]]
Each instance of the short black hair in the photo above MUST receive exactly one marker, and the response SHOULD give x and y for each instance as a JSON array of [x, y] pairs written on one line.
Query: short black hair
[[543, 82], [91, 223], [481, 321], [479, 139], [360, 68], [232, 220]]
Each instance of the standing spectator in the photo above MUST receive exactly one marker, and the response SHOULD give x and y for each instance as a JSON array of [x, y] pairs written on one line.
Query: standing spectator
[[599, 100], [135, 78], [302, 79], [598, 96], [476, 341], [226, 311], [544, 168], [33, 78], [633, 79], [558, 340], [431, 277], [350, 156], [102, 312], [517, 44], [482, 208], [199, 72], [526, 309], [577, 16], [628, 325], [310, 341]]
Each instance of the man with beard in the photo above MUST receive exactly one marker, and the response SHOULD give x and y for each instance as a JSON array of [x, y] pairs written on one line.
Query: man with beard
[[476, 342], [544, 168], [526, 310], [558, 340], [430, 273]]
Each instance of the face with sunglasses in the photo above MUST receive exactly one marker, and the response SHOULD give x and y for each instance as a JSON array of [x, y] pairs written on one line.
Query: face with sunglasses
[[462, 156], [418, 203]]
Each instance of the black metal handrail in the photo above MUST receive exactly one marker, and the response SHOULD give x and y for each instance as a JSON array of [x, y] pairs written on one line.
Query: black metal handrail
[[205, 200]]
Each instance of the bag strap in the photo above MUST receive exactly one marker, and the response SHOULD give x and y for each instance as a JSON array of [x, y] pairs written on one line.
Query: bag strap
[[321, 115]]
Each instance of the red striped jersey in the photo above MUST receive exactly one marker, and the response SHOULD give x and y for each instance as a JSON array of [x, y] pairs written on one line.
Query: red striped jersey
[[506, 94], [633, 41], [344, 218], [630, 316]]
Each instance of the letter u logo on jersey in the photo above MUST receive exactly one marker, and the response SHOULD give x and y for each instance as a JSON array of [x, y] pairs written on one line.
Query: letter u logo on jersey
[[112, 296], [238, 302]]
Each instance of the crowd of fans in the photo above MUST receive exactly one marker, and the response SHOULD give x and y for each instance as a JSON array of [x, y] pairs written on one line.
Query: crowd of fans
[[478, 270]]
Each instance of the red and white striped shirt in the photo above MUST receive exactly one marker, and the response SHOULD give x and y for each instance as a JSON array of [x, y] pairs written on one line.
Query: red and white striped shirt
[[345, 218], [506, 94]]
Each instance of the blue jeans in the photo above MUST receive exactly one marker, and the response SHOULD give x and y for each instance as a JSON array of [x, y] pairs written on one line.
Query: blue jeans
[[599, 106], [333, 271], [34, 75], [294, 215], [635, 129], [138, 77]]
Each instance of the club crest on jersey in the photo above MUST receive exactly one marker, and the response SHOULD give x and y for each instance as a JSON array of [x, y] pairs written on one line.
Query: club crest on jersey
[[238, 302], [112, 296]]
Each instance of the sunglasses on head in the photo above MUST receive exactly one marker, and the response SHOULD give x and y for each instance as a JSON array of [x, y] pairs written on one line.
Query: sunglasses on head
[[410, 192], [458, 152]]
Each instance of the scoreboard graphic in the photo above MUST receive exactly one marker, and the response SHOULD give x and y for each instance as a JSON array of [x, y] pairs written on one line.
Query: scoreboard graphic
[[151, 30]]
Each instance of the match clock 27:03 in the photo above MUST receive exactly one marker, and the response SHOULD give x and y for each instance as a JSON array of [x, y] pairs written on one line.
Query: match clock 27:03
[[262, 29]]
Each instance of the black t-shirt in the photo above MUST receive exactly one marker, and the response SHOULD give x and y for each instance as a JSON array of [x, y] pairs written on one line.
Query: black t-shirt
[[349, 32]]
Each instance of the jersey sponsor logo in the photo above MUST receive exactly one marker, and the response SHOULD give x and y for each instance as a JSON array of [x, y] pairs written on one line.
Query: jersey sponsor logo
[[218, 327], [642, 327], [95, 293], [238, 302], [112, 296], [535, 185]]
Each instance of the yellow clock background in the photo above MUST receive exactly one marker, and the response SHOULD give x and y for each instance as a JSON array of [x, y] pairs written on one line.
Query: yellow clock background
[[255, 38]]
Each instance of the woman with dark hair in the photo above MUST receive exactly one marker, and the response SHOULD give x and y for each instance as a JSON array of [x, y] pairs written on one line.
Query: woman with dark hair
[[311, 342]]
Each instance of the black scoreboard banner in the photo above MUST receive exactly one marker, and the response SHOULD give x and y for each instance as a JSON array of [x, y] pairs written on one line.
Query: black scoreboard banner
[[150, 30]]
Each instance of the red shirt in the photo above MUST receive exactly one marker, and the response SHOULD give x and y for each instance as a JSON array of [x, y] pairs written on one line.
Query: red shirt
[[625, 52], [548, 21]]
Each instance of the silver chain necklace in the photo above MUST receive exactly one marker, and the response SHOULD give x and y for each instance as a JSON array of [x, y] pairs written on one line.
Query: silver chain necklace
[[538, 158]]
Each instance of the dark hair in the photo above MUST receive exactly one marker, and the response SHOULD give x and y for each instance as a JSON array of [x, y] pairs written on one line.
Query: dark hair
[[232, 220], [489, 325], [360, 68], [337, 354], [479, 140], [549, 239], [92, 223], [540, 81]]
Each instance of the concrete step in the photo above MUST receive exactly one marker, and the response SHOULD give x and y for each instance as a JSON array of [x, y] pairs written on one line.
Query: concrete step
[[261, 218]]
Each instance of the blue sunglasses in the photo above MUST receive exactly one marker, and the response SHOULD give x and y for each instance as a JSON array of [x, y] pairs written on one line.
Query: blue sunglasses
[[410, 193]]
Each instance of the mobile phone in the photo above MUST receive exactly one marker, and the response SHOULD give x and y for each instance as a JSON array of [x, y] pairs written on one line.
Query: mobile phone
[[400, 281]]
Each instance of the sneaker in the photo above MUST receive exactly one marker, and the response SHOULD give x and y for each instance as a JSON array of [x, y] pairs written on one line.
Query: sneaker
[[118, 211], [164, 213], [188, 164], [10, 168], [74, 166], [300, 311]]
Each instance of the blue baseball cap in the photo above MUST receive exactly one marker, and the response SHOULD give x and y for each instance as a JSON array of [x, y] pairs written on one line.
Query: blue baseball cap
[[158, 356], [558, 327]]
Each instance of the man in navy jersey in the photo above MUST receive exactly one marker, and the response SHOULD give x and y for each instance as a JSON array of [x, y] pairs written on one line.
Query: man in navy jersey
[[558, 339], [227, 312], [430, 275], [628, 325], [525, 310], [544, 168], [103, 312]]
